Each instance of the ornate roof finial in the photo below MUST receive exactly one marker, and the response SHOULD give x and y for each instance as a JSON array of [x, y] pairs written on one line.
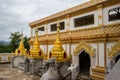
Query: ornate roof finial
[[36, 43], [58, 42]]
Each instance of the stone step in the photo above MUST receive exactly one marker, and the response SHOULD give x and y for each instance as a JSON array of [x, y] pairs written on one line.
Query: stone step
[[100, 70], [83, 77], [100, 74], [101, 67], [97, 77]]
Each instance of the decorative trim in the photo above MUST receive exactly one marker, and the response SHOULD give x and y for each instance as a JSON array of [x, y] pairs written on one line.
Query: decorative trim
[[84, 46], [105, 60], [114, 49], [97, 53], [95, 33]]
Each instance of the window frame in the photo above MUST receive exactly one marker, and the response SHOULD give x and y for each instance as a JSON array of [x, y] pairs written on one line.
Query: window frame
[[62, 26], [41, 28], [82, 19], [114, 17]]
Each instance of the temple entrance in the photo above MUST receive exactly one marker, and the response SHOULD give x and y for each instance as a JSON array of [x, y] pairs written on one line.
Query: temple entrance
[[84, 63]]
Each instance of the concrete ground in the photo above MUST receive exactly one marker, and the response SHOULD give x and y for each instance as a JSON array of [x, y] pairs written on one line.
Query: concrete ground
[[8, 73]]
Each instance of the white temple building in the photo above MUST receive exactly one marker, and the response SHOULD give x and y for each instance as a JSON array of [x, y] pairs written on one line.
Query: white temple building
[[89, 34]]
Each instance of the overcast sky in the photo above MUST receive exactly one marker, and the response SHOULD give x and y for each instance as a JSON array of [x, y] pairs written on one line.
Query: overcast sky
[[17, 14]]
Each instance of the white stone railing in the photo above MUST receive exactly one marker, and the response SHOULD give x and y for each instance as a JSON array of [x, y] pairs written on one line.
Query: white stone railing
[[5, 57], [75, 71]]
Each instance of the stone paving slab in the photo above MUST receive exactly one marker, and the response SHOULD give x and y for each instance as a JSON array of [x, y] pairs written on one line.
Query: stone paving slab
[[7, 73]]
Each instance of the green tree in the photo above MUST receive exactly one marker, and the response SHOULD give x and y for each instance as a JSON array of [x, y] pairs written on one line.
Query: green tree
[[5, 48], [26, 44], [14, 42], [1, 48]]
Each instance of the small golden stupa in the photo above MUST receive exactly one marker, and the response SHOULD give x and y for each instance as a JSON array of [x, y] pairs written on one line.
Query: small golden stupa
[[36, 51], [57, 51], [21, 49]]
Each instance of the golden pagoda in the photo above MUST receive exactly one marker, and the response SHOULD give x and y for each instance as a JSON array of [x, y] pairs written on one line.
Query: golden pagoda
[[57, 51], [21, 49], [36, 51]]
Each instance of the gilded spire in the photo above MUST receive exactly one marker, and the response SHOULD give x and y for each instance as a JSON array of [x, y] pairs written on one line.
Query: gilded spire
[[58, 43], [36, 51], [58, 32], [57, 51], [36, 43], [21, 45], [21, 49]]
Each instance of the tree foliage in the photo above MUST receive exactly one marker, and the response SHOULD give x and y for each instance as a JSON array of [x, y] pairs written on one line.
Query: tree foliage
[[26, 44], [5, 48], [14, 43], [14, 40]]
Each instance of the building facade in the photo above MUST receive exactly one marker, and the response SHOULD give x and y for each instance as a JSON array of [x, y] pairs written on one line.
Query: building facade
[[90, 32]]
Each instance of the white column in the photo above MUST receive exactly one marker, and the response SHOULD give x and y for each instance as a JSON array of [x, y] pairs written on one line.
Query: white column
[[100, 14], [101, 54]]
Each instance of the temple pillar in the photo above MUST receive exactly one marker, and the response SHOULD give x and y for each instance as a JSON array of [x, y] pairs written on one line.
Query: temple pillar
[[100, 14], [68, 22]]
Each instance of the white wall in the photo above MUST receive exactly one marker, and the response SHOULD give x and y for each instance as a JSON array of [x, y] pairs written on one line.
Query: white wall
[[33, 31], [73, 48], [105, 15], [95, 58], [49, 48], [43, 48], [74, 58], [101, 54], [30, 46], [68, 49]]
